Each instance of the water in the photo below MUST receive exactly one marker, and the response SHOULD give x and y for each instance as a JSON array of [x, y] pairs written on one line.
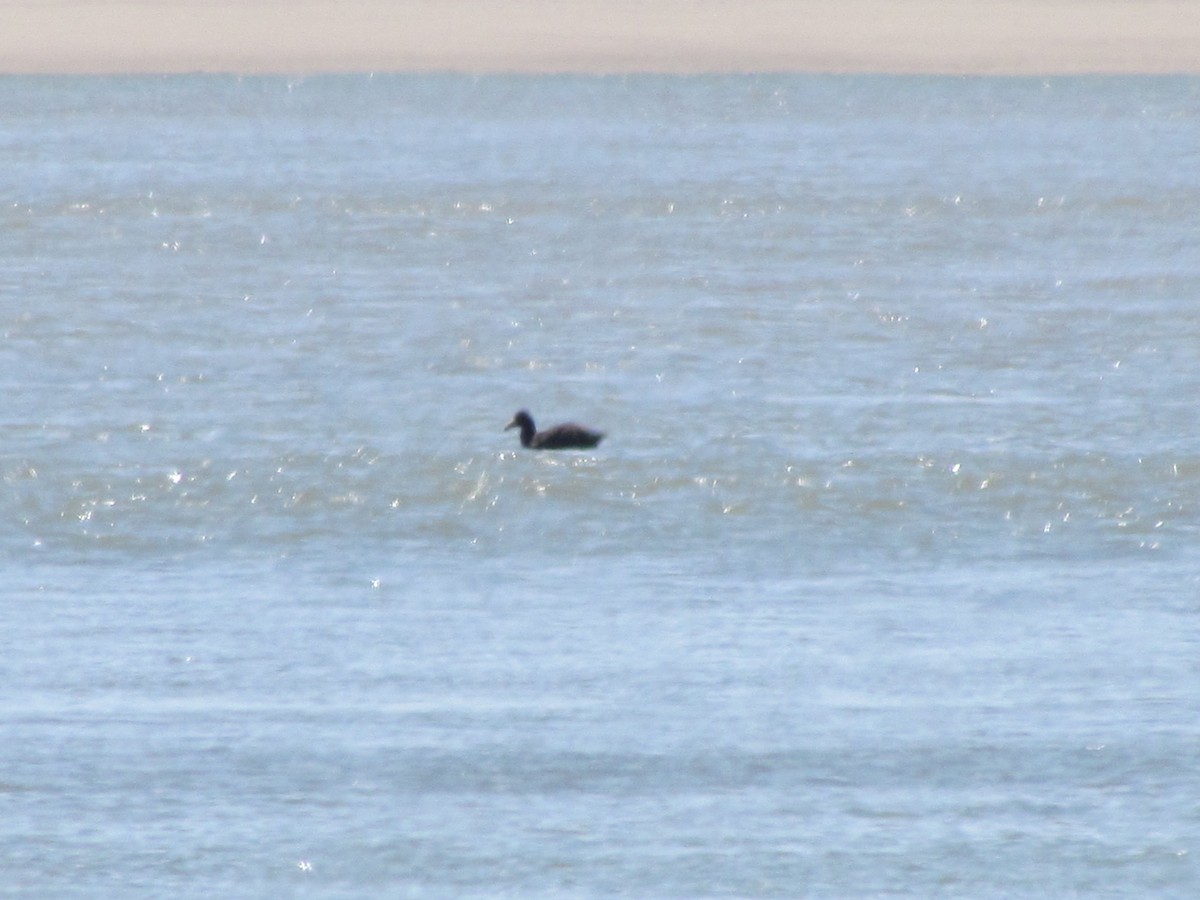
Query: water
[[884, 582]]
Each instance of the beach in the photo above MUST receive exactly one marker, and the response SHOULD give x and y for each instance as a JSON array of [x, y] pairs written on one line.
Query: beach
[[986, 37]]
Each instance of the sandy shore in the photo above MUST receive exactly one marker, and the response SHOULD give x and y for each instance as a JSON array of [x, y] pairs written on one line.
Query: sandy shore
[[1028, 37]]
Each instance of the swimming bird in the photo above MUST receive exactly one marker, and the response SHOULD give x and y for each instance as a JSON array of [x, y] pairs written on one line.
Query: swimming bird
[[567, 436]]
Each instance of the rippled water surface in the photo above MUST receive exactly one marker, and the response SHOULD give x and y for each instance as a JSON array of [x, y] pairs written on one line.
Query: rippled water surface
[[883, 582]]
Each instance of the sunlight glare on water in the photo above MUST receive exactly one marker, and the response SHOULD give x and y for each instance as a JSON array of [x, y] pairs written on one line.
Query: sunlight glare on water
[[883, 580]]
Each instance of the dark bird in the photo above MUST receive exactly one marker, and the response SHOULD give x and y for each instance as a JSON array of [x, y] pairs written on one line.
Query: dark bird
[[567, 436]]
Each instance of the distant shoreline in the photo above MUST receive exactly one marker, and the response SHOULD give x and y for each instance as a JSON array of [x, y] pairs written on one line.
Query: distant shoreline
[[982, 37]]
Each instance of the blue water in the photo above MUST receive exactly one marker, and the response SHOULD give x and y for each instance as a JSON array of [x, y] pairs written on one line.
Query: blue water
[[884, 582]]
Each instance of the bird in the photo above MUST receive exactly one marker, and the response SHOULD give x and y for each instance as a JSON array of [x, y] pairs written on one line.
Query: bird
[[567, 436]]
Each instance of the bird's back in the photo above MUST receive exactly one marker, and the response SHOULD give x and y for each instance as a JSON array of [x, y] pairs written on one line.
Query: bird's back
[[563, 437]]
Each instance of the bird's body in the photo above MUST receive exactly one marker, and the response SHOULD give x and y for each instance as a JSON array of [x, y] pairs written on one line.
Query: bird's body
[[567, 436]]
